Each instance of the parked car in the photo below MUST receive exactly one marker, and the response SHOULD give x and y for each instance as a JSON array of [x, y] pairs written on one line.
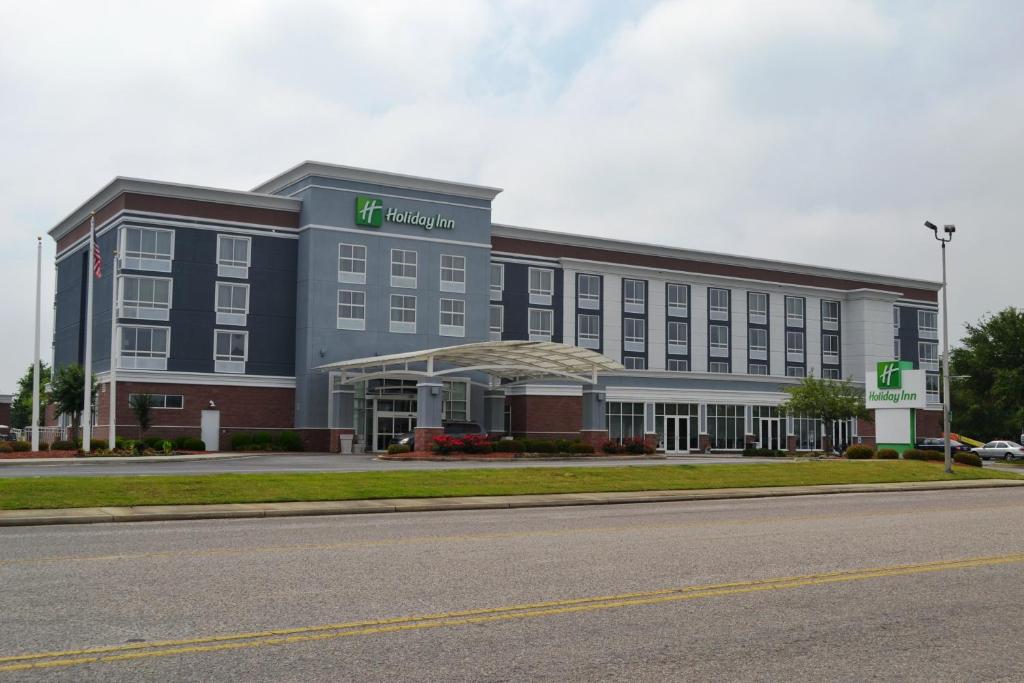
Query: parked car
[[1007, 450], [451, 428], [940, 445]]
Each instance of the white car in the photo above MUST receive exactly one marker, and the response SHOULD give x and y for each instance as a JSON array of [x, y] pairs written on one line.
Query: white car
[[1007, 450]]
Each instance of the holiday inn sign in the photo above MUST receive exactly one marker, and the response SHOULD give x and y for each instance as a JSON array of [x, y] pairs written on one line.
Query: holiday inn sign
[[371, 213], [895, 384]]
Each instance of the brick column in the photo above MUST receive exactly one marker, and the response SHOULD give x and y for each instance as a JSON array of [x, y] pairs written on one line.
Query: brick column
[[429, 407], [424, 438], [791, 443]]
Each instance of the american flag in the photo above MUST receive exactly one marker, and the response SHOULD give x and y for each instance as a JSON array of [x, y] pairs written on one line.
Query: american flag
[[97, 260]]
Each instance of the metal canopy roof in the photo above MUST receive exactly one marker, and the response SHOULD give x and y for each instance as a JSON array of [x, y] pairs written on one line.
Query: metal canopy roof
[[508, 360]]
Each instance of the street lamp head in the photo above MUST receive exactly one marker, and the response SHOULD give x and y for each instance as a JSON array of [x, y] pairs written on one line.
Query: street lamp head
[[949, 229], [931, 226]]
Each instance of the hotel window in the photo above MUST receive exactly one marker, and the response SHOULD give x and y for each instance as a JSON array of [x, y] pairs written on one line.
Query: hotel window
[[148, 249], [718, 303], [634, 362], [795, 347], [677, 333], [794, 311], [634, 334], [230, 351], [403, 268], [170, 401], [928, 355], [453, 318], [542, 285], [232, 303], [541, 324], [895, 321], [455, 400], [233, 256], [808, 433], [928, 324], [896, 349], [497, 322], [757, 369], [830, 373], [830, 315], [144, 348], [403, 314], [497, 281], [757, 308], [795, 371], [718, 366], [588, 331], [678, 365], [757, 340], [351, 310], [726, 427], [624, 420], [718, 340], [453, 273], [931, 388], [352, 264], [634, 294], [677, 299], [145, 298], [588, 292], [830, 349]]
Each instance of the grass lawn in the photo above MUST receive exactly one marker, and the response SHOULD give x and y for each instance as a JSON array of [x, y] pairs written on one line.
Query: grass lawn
[[66, 492]]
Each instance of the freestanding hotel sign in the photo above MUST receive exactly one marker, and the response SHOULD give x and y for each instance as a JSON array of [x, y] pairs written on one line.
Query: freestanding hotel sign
[[895, 391]]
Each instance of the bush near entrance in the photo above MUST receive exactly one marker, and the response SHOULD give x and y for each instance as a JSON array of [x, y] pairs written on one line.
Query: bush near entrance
[[478, 443], [859, 453], [887, 454], [754, 452], [264, 441]]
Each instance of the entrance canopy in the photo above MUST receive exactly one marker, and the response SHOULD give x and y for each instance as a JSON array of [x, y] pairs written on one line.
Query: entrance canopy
[[514, 361]]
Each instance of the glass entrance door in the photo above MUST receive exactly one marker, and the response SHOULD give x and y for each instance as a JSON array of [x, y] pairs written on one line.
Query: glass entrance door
[[840, 434], [676, 438], [771, 433], [392, 418]]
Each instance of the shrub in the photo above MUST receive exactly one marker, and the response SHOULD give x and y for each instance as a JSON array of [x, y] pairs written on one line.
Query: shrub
[[154, 442], [289, 441], [444, 443], [43, 446], [508, 446], [638, 446], [476, 443], [396, 448], [5, 447], [754, 452], [63, 446], [917, 454], [99, 444], [191, 443], [179, 442], [887, 454], [967, 458], [580, 448], [563, 445], [859, 453], [539, 446], [20, 446], [262, 439], [240, 441], [167, 447], [613, 447]]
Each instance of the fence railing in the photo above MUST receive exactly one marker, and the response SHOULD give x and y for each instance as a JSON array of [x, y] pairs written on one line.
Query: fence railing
[[47, 434]]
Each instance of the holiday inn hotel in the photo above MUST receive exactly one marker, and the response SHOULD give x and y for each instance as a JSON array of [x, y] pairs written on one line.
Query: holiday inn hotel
[[353, 305]]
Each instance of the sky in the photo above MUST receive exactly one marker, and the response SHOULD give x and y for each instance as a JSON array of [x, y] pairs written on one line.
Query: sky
[[815, 131]]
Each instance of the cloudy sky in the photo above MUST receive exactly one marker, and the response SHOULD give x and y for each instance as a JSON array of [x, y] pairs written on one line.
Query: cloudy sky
[[819, 131]]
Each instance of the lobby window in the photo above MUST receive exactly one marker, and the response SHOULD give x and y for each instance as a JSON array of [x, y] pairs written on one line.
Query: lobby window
[[677, 334], [757, 369], [588, 331], [233, 256], [144, 348], [230, 351], [896, 349], [718, 303], [162, 401], [928, 355], [403, 314], [497, 322], [351, 310], [145, 298], [726, 427], [795, 371], [719, 367], [542, 285], [795, 347], [453, 318], [808, 433], [931, 388], [794, 311], [830, 315], [588, 292], [232, 303], [497, 281], [757, 308], [718, 340], [453, 273], [634, 362], [624, 420], [678, 365], [830, 349], [634, 334], [455, 400], [830, 373], [541, 324], [403, 268], [634, 294], [148, 249], [352, 264], [677, 300], [928, 324]]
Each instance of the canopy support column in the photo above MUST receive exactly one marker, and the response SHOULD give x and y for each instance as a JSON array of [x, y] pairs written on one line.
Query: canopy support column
[[494, 412], [595, 424], [429, 408]]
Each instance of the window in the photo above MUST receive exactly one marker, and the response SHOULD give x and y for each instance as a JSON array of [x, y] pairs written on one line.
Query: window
[[145, 298], [794, 311], [928, 355], [351, 310], [718, 303], [928, 324], [403, 314], [718, 366], [895, 321], [830, 349], [403, 268], [634, 362], [718, 340], [453, 318], [497, 281], [757, 339], [175, 401], [757, 308], [830, 315], [232, 303], [453, 273], [757, 369], [634, 334], [233, 256], [148, 249], [541, 324], [624, 420], [726, 427], [542, 285], [896, 349], [352, 263], [795, 371], [497, 322], [588, 331], [455, 401], [677, 337], [230, 351], [808, 433], [634, 294], [795, 346], [830, 373], [677, 299], [144, 348], [588, 291], [678, 365]]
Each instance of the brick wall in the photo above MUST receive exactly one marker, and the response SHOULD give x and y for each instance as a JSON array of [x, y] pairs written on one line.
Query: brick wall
[[929, 424], [546, 417]]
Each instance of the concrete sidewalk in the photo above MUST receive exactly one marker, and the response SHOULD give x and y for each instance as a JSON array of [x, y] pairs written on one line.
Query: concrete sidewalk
[[132, 458], [151, 513]]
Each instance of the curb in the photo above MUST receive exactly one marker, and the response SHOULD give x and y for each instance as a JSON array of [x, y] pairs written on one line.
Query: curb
[[91, 460], [154, 513]]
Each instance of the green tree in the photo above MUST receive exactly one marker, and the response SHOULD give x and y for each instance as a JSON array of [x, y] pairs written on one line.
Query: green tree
[[21, 404], [826, 399], [142, 406], [987, 377], [66, 393]]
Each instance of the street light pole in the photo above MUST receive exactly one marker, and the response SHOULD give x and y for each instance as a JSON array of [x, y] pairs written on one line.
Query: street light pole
[[948, 230]]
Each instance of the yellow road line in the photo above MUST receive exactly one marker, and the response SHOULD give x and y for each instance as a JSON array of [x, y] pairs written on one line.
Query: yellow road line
[[275, 637]]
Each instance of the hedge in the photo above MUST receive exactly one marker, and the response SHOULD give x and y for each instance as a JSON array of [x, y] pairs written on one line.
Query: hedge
[[887, 454], [20, 446], [754, 452], [918, 454], [396, 448], [508, 446], [859, 453], [967, 458]]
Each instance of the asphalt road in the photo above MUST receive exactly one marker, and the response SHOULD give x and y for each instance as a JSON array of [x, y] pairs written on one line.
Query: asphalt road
[[923, 586]]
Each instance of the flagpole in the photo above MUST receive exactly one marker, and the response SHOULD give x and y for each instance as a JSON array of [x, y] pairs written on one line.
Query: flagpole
[[35, 366], [112, 394], [87, 371]]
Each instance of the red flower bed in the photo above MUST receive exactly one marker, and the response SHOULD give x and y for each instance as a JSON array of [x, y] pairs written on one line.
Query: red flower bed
[[470, 443]]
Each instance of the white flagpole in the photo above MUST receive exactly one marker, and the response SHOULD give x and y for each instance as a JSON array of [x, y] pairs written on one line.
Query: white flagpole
[[87, 373], [35, 367], [112, 394]]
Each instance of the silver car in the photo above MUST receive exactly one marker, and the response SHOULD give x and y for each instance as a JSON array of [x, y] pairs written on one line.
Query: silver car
[[1007, 450]]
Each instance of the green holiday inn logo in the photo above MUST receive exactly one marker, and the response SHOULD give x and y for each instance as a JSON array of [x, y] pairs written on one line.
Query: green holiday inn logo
[[369, 212], [890, 375]]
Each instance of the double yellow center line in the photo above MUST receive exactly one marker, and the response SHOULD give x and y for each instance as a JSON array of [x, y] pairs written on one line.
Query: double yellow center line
[[238, 641]]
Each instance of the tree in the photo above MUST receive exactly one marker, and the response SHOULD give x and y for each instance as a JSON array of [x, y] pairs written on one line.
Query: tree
[[987, 378], [66, 393], [21, 404], [826, 399], [142, 406]]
